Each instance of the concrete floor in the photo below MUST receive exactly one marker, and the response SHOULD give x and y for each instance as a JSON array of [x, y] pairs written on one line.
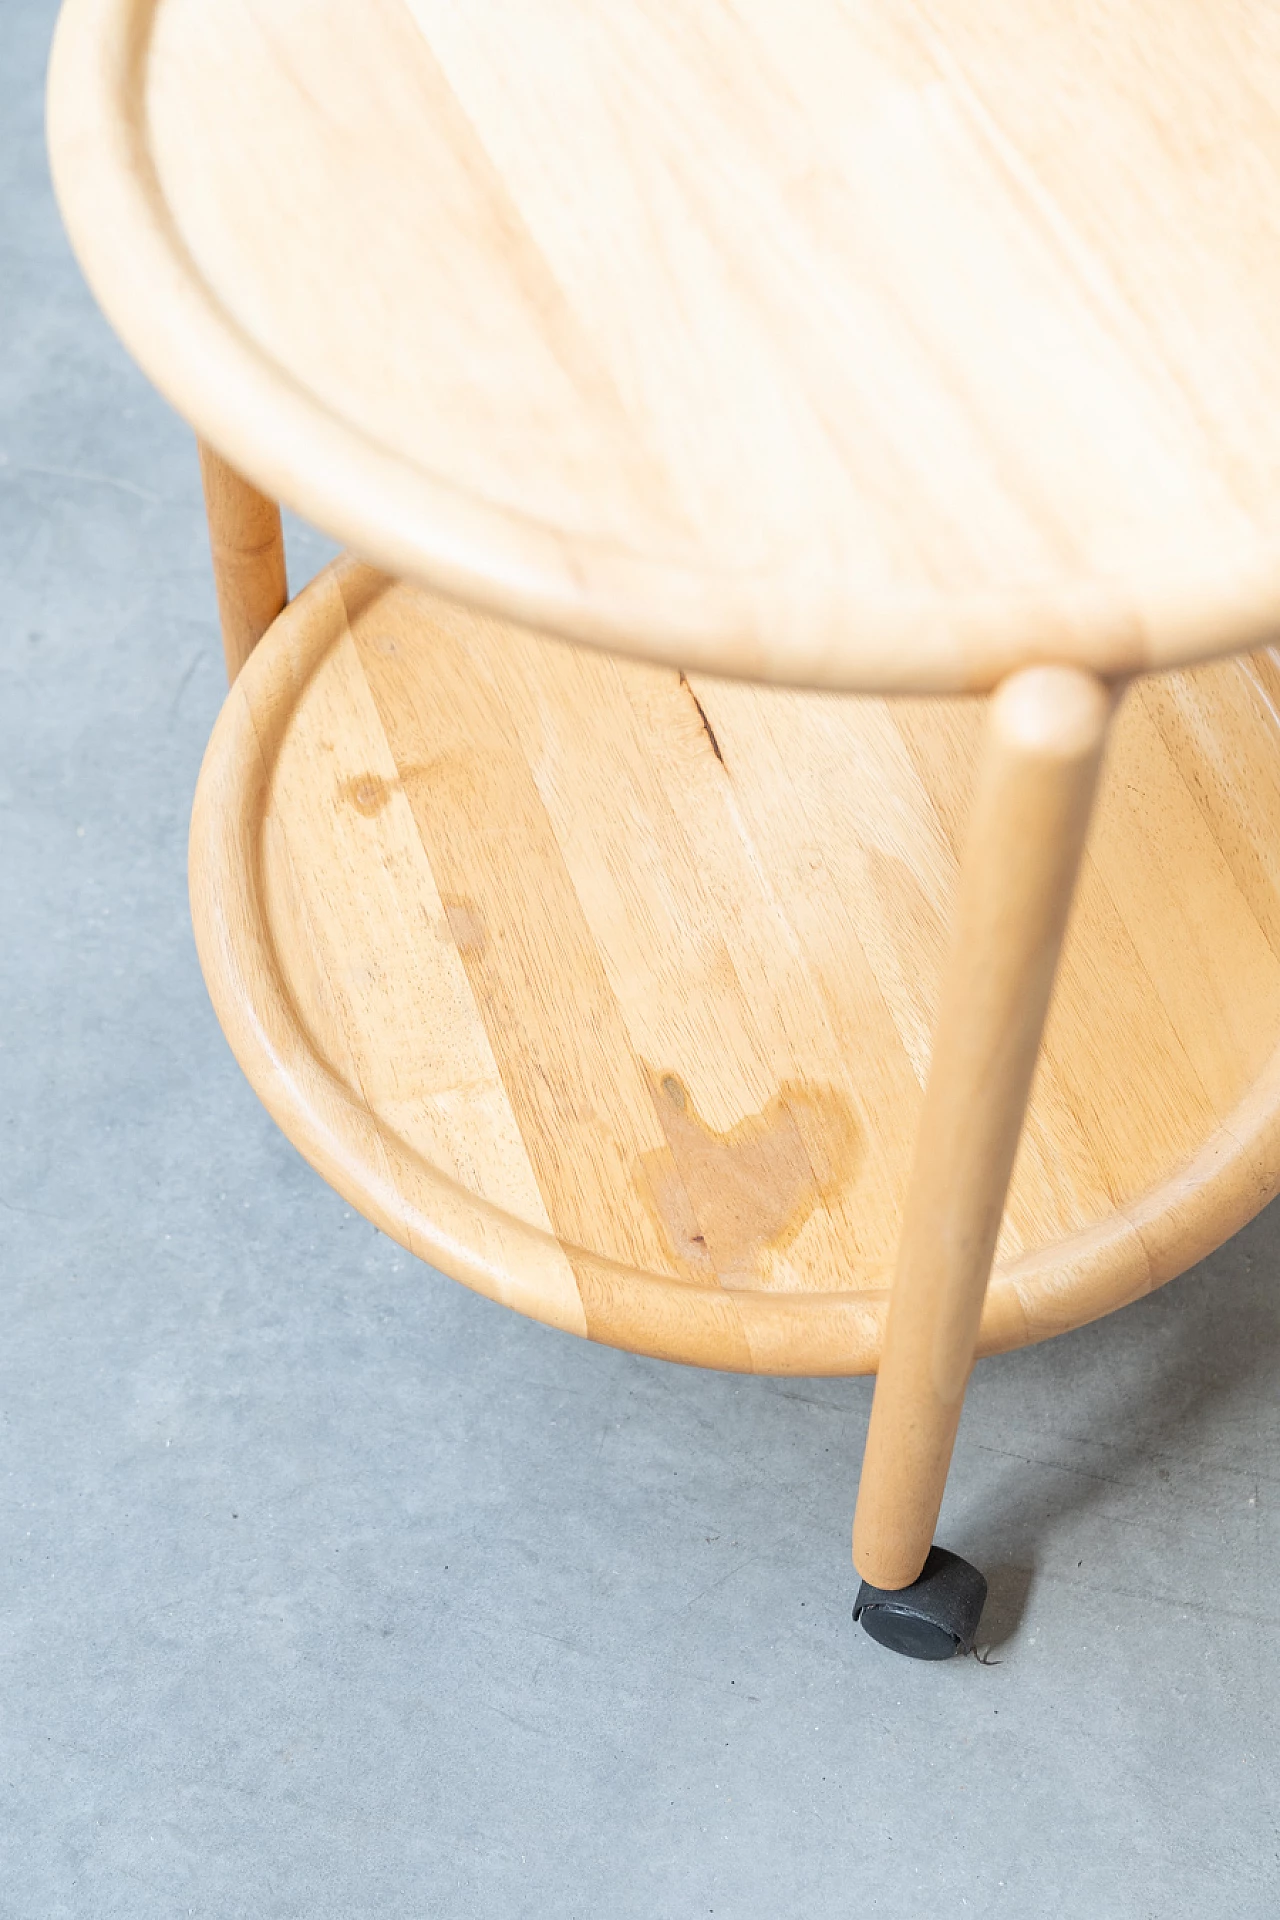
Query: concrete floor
[[330, 1590]]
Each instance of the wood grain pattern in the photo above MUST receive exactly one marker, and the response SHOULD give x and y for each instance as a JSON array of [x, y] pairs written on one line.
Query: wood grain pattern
[[611, 990], [1038, 772], [887, 346]]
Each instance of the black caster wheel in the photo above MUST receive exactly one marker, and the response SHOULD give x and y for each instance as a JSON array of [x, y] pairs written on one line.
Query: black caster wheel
[[934, 1618]]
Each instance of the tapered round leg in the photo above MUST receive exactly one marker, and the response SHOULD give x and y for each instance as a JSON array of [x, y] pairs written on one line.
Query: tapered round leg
[[247, 544], [1044, 740]]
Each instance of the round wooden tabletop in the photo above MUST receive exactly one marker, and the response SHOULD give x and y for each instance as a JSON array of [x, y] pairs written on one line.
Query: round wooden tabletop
[[609, 989], [881, 345]]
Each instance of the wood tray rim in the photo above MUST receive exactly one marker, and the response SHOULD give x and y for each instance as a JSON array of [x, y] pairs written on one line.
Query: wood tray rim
[[416, 524], [1054, 1289]]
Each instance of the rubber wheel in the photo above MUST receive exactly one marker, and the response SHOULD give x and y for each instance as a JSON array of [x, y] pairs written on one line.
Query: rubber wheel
[[933, 1619]]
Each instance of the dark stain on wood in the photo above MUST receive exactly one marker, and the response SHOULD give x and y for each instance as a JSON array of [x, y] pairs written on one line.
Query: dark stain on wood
[[733, 1197], [368, 793]]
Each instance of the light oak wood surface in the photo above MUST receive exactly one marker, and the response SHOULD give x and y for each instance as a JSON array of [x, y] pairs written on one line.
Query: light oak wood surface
[[887, 345], [1038, 770], [611, 990]]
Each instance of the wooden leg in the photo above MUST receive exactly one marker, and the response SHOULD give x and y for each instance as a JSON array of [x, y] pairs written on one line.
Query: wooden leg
[[248, 557], [1045, 733]]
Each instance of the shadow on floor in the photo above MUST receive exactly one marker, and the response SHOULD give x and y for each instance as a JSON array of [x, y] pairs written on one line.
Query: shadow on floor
[[1008, 1591], [1156, 1380]]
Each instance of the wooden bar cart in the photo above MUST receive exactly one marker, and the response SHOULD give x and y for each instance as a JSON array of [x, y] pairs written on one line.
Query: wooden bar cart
[[770, 857]]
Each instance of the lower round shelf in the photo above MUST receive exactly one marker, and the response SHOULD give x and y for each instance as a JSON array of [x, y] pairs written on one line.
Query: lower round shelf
[[609, 992]]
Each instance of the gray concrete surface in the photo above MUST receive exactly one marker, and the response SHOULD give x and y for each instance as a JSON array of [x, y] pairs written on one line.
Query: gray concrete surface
[[329, 1590]]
